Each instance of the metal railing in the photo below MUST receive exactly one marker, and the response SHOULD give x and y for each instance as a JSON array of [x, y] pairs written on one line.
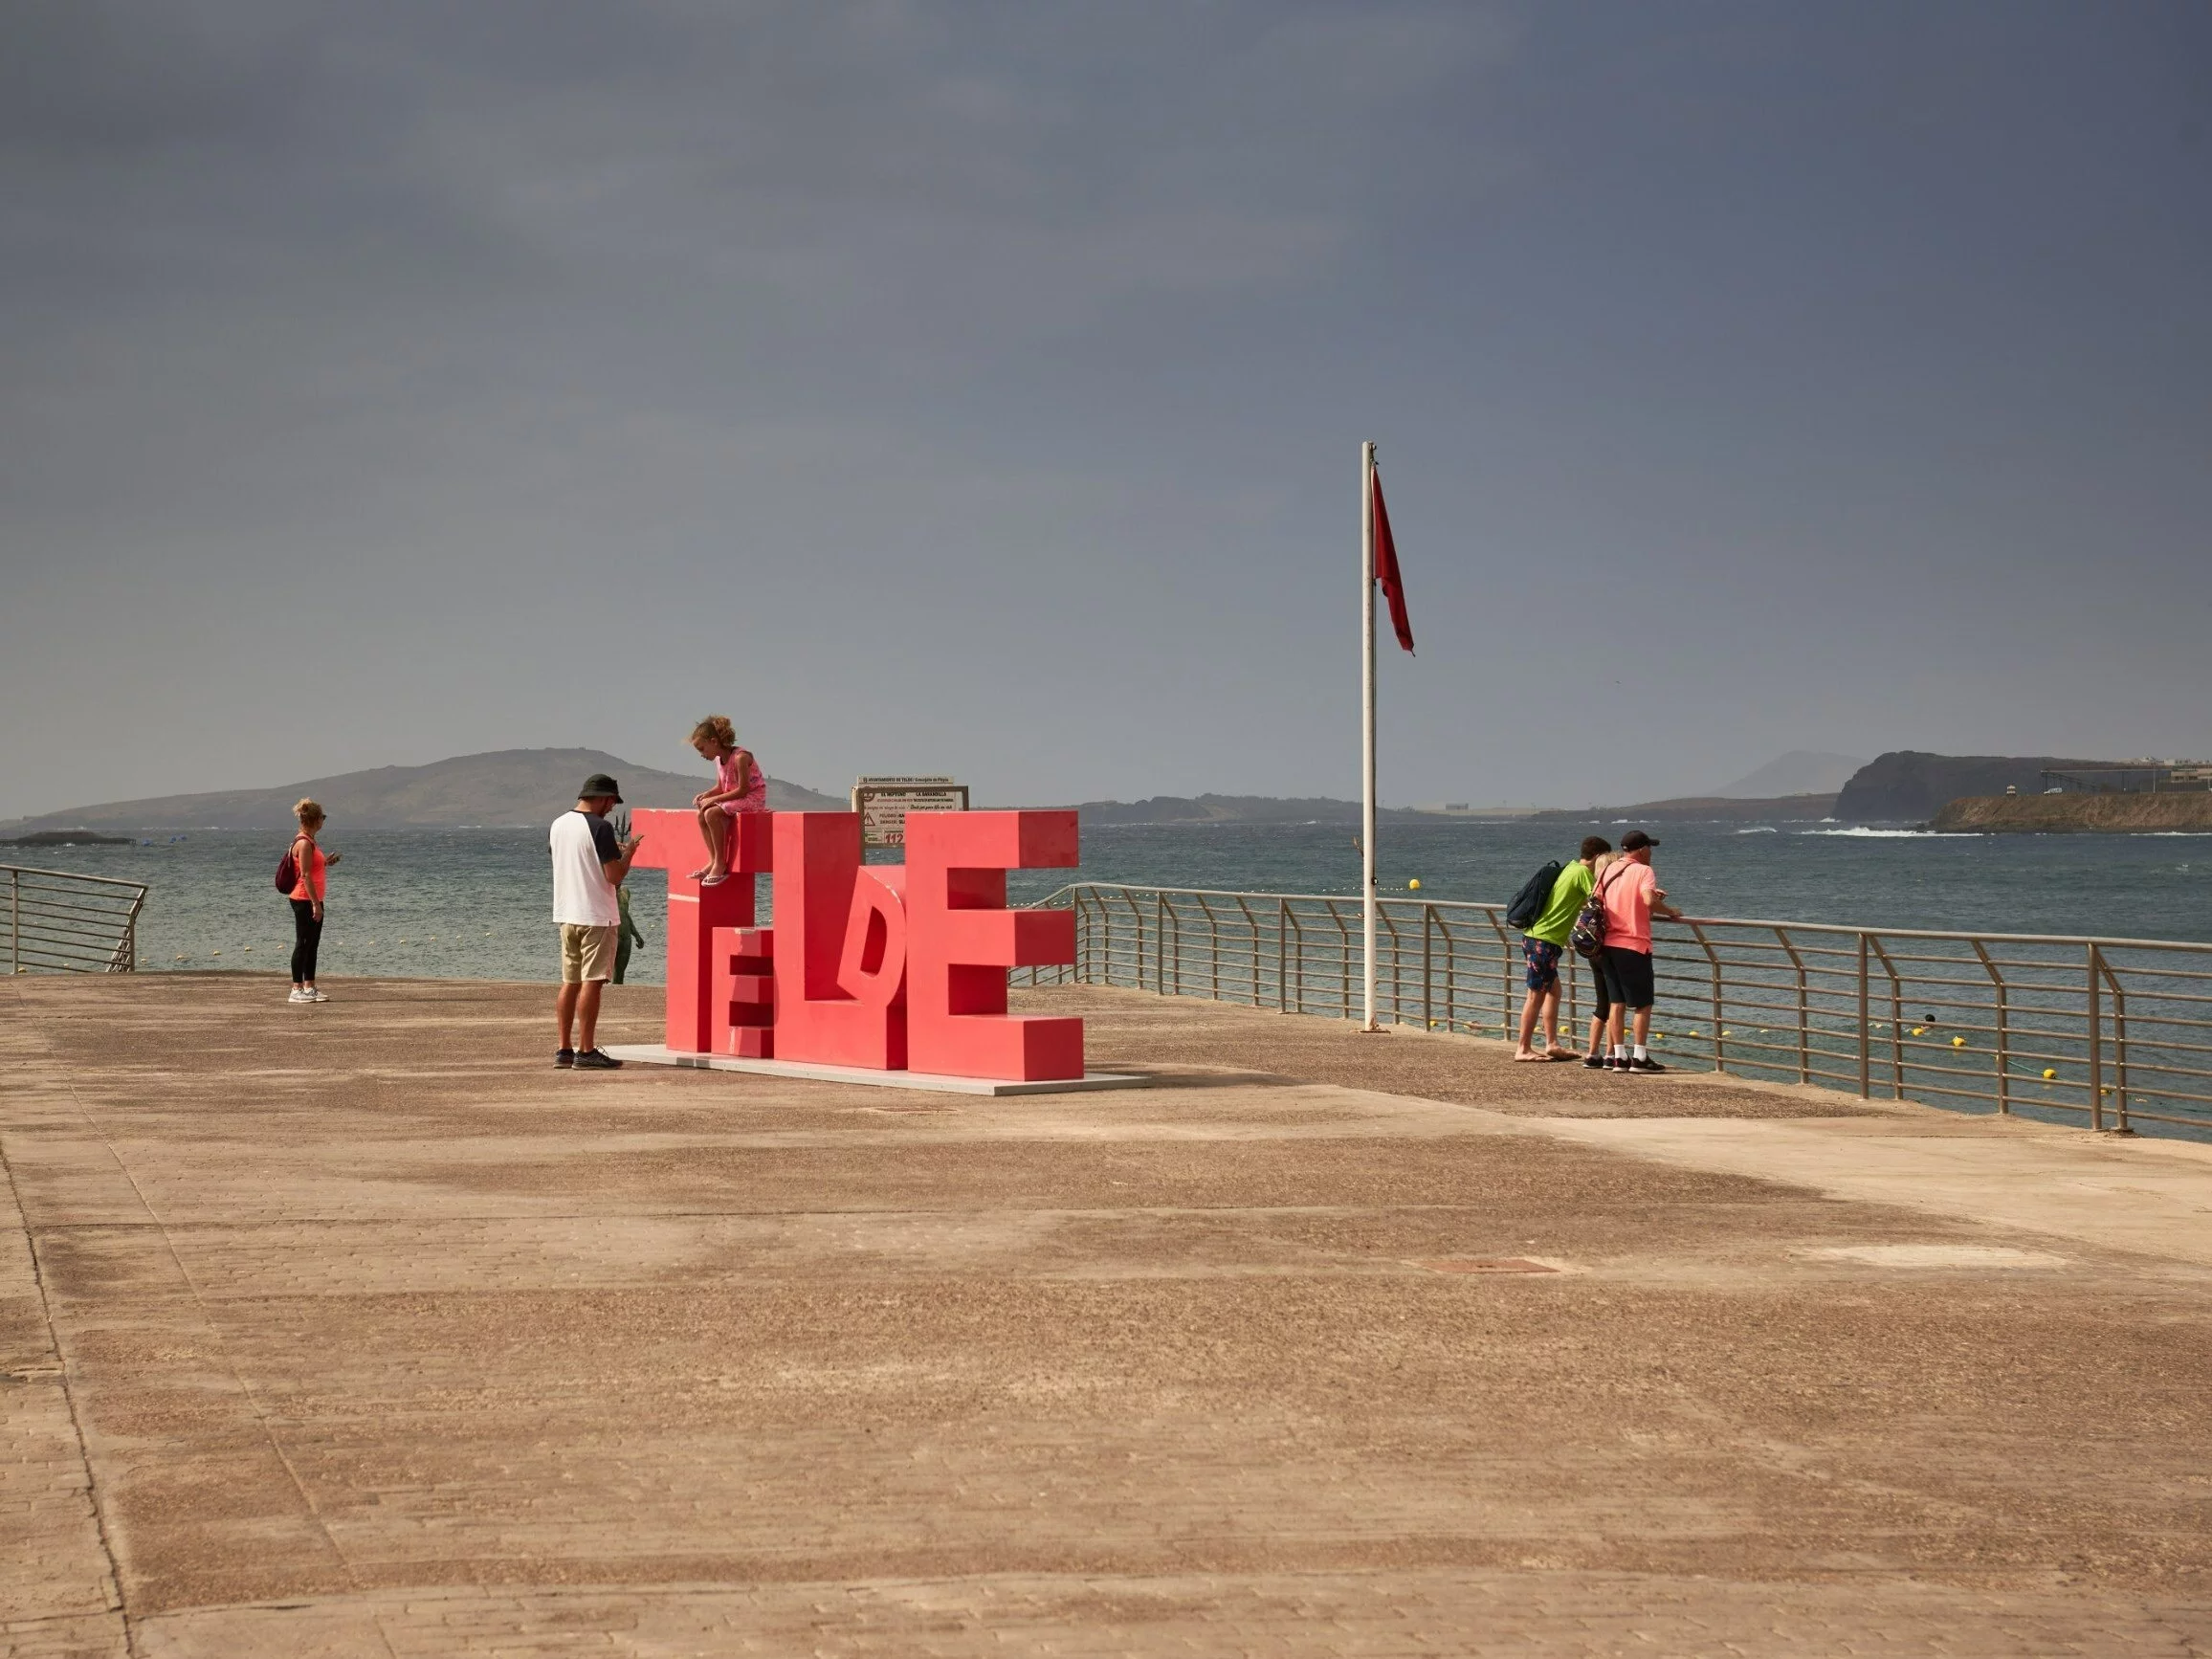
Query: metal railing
[[2105, 1030], [57, 922]]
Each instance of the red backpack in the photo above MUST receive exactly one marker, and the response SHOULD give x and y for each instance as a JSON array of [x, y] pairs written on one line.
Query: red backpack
[[288, 871]]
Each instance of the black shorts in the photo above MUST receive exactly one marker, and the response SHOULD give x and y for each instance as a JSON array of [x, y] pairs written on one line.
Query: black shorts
[[1628, 977]]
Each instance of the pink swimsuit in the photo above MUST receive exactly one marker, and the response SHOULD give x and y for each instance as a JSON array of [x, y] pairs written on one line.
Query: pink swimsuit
[[755, 799]]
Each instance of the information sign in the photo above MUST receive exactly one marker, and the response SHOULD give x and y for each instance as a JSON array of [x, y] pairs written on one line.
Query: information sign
[[883, 803]]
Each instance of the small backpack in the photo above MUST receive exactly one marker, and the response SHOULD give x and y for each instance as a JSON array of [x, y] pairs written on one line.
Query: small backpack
[[287, 872], [1589, 936], [1534, 895]]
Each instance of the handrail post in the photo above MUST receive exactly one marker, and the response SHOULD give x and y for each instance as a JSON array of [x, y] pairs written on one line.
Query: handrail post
[[16, 920], [1505, 951], [1803, 1008], [1427, 957], [1344, 959], [2096, 1045], [2119, 1043], [1713, 957], [1866, 1048], [1451, 975], [1282, 956], [2000, 991], [1252, 927], [1896, 1021]]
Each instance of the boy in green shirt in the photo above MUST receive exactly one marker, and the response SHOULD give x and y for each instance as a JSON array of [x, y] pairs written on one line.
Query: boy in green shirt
[[1540, 948]]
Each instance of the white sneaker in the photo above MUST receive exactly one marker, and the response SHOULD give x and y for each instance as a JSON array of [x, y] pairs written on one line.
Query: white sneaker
[[316, 997], [300, 996]]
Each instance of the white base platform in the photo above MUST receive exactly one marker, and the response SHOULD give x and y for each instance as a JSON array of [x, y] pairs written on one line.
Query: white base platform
[[933, 1082]]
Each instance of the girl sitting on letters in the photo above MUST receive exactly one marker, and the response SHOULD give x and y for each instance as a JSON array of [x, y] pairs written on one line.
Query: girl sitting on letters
[[740, 786]]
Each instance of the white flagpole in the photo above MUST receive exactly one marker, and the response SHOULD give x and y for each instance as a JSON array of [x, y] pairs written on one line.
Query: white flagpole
[[1368, 726]]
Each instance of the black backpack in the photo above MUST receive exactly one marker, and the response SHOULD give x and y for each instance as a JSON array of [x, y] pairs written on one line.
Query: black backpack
[[1588, 936], [1530, 901]]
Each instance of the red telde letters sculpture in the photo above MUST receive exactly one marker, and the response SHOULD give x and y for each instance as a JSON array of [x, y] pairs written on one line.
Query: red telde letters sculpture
[[886, 966]]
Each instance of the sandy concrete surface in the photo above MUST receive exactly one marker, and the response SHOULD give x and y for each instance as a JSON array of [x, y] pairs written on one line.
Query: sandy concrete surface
[[359, 1330]]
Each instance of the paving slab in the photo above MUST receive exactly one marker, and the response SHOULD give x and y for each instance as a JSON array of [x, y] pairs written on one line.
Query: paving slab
[[358, 1329]]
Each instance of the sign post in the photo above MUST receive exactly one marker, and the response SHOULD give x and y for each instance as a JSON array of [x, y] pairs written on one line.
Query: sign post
[[883, 803]]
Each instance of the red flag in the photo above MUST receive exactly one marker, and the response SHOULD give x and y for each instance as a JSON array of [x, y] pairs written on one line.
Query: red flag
[[1386, 572]]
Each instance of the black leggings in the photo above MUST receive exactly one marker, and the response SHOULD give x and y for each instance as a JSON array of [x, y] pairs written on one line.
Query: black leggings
[[307, 937]]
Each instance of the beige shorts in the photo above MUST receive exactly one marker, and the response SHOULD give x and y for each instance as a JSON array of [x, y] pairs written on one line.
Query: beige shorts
[[586, 953]]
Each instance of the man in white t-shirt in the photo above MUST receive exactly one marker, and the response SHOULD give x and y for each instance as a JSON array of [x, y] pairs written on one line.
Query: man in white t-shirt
[[588, 864]]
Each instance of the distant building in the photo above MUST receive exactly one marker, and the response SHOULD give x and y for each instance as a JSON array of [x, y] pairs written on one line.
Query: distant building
[[2144, 777]]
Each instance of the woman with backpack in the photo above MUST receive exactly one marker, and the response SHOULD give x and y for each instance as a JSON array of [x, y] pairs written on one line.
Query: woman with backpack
[[309, 867]]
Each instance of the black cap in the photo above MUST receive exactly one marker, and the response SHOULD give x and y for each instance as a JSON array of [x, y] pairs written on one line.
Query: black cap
[[1635, 841], [597, 784]]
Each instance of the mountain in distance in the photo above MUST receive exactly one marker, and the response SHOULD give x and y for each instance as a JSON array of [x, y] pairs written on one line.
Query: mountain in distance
[[1800, 772], [506, 787]]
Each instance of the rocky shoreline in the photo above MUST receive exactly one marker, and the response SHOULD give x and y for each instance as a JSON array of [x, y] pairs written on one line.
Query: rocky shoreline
[[2078, 814]]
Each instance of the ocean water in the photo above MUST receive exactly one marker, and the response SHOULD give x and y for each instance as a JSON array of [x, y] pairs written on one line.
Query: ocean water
[[476, 904]]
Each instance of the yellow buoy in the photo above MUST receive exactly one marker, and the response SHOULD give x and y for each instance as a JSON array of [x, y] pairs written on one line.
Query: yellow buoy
[[1958, 1042], [1413, 886], [1693, 1033], [2049, 1072], [1918, 1031], [215, 953]]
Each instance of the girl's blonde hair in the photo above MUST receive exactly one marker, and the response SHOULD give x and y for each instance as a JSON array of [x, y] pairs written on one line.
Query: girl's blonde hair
[[308, 812], [717, 730]]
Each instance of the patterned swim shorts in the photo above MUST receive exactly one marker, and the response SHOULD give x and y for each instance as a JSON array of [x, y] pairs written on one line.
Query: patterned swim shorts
[[1543, 959]]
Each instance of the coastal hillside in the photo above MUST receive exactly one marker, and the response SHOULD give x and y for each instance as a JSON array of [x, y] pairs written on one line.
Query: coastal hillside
[[1699, 810], [504, 787], [1910, 787], [2078, 814]]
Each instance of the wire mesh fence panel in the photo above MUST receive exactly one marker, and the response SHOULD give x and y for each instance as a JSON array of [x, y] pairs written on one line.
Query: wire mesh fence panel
[[2104, 1033]]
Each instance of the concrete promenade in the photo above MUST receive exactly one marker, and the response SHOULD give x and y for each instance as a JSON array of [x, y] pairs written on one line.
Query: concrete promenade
[[357, 1330]]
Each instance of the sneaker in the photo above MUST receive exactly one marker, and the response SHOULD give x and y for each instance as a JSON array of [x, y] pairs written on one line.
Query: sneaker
[[316, 997], [300, 995], [1613, 1065], [594, 1060], [564, 1058], [1596, 1062], [1643, 1066]]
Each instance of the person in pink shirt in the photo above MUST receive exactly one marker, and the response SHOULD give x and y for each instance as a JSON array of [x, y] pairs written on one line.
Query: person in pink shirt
[[1632, 898], [740, 786]]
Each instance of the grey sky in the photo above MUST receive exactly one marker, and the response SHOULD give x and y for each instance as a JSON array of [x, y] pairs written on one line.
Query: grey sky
[[978, 387]]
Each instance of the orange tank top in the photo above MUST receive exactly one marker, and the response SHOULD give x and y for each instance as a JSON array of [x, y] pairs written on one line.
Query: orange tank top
[[313, 871]]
